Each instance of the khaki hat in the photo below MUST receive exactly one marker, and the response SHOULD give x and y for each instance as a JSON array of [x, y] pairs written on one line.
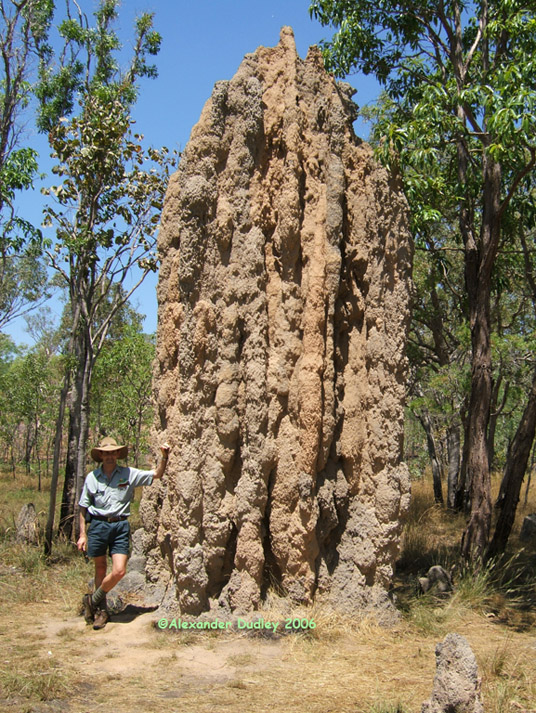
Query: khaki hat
[[108, 444]]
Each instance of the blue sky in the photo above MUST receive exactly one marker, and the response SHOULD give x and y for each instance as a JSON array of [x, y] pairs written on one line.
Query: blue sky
[[202, 42]]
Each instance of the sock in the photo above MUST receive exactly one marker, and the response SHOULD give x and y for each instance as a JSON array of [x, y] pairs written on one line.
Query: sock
[[98, 597]]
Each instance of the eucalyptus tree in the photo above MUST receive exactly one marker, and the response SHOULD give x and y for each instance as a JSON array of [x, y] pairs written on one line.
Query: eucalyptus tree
[[34, 392], [123, 375], [8, 417], [106, 206], [521, 444], [438, 337], [24, 26], [437, 352], [462, 131], [439, 355]]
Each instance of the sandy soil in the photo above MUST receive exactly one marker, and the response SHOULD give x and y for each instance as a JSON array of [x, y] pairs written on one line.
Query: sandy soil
[[130, 644], [52, 662], [132, 667]]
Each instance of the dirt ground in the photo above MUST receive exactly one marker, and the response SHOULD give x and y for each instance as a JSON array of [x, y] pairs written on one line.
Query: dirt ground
[[59, 664], [52, 662]]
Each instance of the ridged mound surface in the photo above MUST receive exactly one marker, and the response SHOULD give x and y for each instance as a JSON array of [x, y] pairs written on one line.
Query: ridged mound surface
[[279, 381]]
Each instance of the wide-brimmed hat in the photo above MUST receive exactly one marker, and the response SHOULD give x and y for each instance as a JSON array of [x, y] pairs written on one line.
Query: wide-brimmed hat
[[108, 444]]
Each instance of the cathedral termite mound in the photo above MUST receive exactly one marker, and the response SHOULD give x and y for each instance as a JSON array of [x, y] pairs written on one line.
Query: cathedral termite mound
[[284, 296]]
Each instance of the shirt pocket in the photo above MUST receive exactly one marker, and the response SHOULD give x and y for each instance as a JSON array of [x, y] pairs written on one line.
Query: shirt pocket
[[122, 493], [101, 498]]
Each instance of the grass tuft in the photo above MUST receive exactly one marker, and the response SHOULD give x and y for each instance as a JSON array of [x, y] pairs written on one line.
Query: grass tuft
[[44, 682], [503, 590], [387, 708]]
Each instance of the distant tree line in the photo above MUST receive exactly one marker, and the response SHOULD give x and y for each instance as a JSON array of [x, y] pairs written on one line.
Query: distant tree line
[[30, 384]]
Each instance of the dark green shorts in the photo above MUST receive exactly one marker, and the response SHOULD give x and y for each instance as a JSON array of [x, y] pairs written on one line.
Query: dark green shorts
[[112, 537]]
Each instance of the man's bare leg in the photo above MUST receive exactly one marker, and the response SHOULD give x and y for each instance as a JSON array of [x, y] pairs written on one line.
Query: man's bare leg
[[100, 569], [108, 582], [119, 569]]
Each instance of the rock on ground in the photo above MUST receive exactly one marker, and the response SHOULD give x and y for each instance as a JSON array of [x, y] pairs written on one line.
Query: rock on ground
[[528, 528], [437, 580], [284, 295], [456, 683], [27, 525]]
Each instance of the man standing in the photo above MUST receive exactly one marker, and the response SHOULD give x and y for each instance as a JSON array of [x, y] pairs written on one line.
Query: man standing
[[105, 503]]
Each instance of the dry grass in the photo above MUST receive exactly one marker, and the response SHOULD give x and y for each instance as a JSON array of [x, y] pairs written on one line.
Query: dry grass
[[343, 665], [432, 536]]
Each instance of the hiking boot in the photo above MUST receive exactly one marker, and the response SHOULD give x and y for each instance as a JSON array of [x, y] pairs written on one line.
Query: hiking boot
[[101, 619], [89, 610]]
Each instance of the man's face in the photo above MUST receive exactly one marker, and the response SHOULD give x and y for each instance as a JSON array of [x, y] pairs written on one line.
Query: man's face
[[109, 459]]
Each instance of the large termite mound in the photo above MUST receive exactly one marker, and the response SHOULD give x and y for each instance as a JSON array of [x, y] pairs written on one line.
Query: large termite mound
[[283, 310]]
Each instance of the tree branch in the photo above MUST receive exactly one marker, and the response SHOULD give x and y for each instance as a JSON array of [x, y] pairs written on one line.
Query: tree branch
[[520, 176]]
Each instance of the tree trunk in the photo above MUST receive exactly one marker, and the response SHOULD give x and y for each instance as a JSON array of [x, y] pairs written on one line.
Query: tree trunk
[[81, 456], [496, 410], [56, 462], [75, 465], [58, 435], [37, 455], [514, 472], [493, 417], [426, 422], [68, 495], [28, 446], [461, 497], [453, 451], [479, 261], [475, 537], [531, 468]]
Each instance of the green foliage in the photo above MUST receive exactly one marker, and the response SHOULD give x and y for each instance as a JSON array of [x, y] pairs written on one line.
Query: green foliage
[[23, 284], [121, 396], [93, 68], [442, 95], [29, 384], [114, 186], [24, 29], [107, 205], [17, 172], [7, 352]]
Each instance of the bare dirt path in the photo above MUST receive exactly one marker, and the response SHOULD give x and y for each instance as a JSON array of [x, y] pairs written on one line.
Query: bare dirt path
[[130, 643]]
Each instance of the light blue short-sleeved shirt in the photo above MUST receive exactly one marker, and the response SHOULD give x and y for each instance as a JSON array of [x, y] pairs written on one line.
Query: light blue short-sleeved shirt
[[112, 498]]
